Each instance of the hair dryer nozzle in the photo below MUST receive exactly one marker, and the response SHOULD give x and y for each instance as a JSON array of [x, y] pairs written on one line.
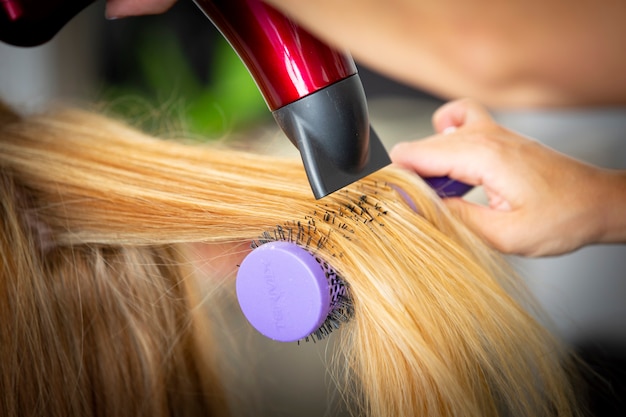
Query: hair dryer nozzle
[[331, 130]]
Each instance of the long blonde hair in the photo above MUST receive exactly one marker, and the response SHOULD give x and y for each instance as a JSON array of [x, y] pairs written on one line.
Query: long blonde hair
[[99, 312]]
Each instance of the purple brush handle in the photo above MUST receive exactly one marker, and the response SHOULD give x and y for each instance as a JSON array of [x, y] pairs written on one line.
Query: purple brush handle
[[447, 187]]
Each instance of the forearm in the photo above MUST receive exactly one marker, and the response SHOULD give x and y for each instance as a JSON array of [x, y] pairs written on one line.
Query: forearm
[[507, 54]]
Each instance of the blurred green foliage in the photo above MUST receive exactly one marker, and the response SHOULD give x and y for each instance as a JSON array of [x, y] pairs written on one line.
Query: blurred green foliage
[[171, 98]]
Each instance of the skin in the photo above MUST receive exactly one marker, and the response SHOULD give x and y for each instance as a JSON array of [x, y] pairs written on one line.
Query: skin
[[507, 55], [504, 54], [116, 9], [540, 202]]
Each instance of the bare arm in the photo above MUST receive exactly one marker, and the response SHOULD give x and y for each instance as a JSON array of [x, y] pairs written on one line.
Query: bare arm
[[504, 54]]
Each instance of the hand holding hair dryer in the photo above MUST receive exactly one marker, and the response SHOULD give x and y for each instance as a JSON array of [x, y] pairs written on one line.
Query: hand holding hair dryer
[[313, 91]]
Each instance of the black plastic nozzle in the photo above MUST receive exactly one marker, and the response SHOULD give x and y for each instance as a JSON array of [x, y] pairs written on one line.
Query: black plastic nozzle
[[331, 130]]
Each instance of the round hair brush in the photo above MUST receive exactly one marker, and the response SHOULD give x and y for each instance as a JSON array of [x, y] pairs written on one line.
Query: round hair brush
[[288, 294]]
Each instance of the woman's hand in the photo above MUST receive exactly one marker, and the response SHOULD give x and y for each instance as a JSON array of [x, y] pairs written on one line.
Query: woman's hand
[[540, 202], [124, 8]]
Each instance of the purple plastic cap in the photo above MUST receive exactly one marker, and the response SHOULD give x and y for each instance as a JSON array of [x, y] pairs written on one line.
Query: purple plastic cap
[[283, 291]]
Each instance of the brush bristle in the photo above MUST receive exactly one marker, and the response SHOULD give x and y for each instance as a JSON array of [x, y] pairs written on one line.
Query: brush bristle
[[353, 207], [341, 308]]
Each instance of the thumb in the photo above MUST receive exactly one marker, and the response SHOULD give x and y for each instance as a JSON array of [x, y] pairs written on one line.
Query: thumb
[[460, 113]]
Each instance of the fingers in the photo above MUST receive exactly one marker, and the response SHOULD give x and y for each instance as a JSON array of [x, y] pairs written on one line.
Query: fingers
[[461, 156], [540, 202], [125, 8], [434, 157], [472, 148], [460, 113], [456, 154]]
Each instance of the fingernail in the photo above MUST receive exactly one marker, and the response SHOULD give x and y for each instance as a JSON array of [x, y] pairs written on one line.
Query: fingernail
[[448, 130], [112, 12], [110, 16], [397, 146]]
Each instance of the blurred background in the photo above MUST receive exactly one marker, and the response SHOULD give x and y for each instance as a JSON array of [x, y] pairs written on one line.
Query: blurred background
[[174, 73]]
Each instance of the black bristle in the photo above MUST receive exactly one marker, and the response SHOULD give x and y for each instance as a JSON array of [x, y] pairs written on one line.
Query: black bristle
[[313, 233], [341, 308]]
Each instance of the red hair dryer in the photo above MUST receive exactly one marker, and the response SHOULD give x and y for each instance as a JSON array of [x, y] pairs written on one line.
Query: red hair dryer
[[313, 91]]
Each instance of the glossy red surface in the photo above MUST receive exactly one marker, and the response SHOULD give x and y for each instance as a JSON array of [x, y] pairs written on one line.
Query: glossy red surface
[[286, 61], [12, 8]]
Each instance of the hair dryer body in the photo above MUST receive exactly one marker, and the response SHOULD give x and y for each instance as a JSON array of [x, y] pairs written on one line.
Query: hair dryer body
[[313, 90]]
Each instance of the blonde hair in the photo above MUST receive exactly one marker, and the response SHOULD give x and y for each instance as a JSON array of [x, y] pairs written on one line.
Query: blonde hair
[[99, 312]]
